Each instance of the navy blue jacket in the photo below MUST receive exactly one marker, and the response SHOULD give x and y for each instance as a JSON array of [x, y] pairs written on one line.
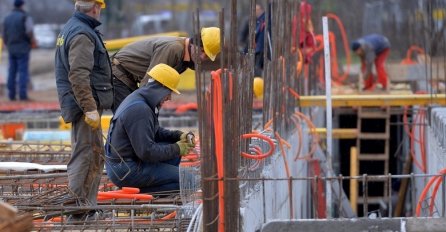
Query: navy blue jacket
[[135, 132], [14, 32]]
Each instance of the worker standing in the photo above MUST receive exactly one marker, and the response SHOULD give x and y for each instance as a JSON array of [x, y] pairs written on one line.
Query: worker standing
[[373, 48], [131, 64], [304, 24], [84, 86], [19, 38], [259, 39], [140, 153]]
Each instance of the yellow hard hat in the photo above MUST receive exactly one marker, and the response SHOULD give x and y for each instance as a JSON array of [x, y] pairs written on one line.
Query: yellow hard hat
[[102, 3], [210, 36], [165, 75], [258, 87]]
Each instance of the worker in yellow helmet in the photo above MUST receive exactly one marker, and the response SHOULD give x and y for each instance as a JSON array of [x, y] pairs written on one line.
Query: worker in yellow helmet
[[151, 153], [84, 86], [131, 63], [258, 87]]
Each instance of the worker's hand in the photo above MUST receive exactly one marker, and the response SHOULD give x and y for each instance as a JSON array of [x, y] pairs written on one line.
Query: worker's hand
[[188, 137], [92, 119], [184, 147]]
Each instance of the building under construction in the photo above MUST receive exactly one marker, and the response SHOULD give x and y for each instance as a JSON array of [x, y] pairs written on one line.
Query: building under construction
[[313, 151]]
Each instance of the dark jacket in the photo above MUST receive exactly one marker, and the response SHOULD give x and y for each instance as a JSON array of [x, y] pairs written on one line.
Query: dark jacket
[[14, 32], [88, 85], [139, 57], [135, 132]]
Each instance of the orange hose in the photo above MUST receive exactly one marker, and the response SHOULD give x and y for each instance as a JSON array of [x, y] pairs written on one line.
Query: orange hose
[[315, 141], [434, 194], [344, 76], [299, 135], [115, 195], [408, 58], [186, 107], [300, 62], [294, 93], [268, 124], [169, 216], [218, 131], [424, 193], [261, 156]]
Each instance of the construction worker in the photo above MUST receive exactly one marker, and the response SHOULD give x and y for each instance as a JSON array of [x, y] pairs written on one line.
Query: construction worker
[[140, 153], [303, 26], [371, 49], [19, 38], [131, 63], [84, 86], [259, 39]]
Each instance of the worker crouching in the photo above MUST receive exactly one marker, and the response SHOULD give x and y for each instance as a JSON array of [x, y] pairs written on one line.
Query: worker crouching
[[141, 153]]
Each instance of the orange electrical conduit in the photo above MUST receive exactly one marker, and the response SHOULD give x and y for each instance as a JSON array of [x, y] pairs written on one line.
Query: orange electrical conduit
[[413, 140], [259, 156], [217, 115], [336, 77], [423, 194], [408, 58]]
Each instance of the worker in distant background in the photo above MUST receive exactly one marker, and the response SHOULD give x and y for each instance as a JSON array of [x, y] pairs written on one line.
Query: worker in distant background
[[304, 24], [371, 49], [84, 86], [150, 154], [259, 39], [132, 62], [19, 38]]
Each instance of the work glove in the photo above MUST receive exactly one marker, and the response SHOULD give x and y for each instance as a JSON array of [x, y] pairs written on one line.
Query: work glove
[[93, 119], [184, 147], [188, 137]]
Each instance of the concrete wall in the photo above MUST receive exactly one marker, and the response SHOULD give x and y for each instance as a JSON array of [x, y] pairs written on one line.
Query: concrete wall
[[270, 200]]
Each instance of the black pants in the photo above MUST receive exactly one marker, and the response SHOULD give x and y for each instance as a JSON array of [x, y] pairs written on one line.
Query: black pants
[[258, 64], [121, 91]]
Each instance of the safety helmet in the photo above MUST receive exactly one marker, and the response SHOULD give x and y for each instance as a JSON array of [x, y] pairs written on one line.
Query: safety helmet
[[210, 36], [258, 87], [165, 75], [100, 2]]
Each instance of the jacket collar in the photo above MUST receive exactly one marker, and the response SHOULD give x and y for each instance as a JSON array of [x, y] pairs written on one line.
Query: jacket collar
[[90, 21]]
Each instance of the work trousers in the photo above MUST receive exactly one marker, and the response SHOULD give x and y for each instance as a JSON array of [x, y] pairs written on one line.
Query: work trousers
[[120, 91], [380, 70], [86, 163], [18, 64], [148, 177]]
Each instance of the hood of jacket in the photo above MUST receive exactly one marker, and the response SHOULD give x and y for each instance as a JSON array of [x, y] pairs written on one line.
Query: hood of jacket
[[153, 93]]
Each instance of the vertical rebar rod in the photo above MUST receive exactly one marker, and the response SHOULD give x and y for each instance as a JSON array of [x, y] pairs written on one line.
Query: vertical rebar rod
[[413, 192], [389, 195], [365, 195]]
